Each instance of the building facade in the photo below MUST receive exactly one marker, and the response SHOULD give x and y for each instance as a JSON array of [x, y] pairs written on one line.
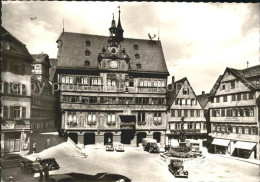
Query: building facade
[[184, 107], [112, 89], [16, 93], [43, 100], [234, 113]]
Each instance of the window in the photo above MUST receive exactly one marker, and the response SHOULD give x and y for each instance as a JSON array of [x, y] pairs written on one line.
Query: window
[[141, 116], [217, 113], [67, 79], [172, 113], [87, 63], [155, 83], [111, 118], [92, 118], [5, 89], [129, 81], [218, 128], [79, 79], [92, 100], [179, 113], [23, 89], [18, 68], [190, 125], [137, 56], [240, 130], [157, 117], [111, 80], [197, 125], [198, 113], [87, 53], [251, 95], [145, 83], [141, 83], [240, 112], [177, 101], [229, 112], [96, 81], [223, 87], [149, 83], [185, 91], [234, 112], [253, 131], [185, 113], [135, 47], [188, 101], [183, 101], [17, 111], [138, 65], [244, 96], [234, 129], [238, 97], [172, 126], [74, 99], [213, 127], [88, 43], [223, 128], [233, 97], [191, 113], [84, 99], [222, 112], [251, 112], [246, 130], [217, 99], [224, 98], [5, 111], [246, 112], [232, 84]]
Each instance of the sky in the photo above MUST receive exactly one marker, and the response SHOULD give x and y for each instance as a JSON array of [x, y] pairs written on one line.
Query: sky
[[199, 39]]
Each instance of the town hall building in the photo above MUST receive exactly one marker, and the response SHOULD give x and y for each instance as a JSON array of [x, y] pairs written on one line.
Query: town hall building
[[111, 88]]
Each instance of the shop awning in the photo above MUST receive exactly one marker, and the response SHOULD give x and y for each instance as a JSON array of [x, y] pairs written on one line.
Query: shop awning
[[244, 145], [222, 142]]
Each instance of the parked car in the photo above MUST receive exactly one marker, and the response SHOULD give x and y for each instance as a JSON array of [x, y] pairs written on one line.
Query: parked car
[[110, 147], [47, 164], [177, 169], [79, 177], [120, 147], [50, 164], [151, 147], [146, 140], [12, 160], [32, 167]]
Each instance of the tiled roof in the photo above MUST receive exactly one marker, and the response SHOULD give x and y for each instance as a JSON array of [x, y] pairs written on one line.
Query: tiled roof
[[53, 67], [16, 46], [215, 86], [40, 58], [246, 74], [73, 47], [203, 99], [173, 92]]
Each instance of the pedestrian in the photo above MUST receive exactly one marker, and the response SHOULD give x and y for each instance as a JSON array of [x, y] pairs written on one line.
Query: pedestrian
[[48, 142], [34, 147]]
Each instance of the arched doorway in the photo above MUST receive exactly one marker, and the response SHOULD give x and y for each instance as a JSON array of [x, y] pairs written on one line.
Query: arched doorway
[[140, 136], [73, 137], [89, 138], [127, 136], [108, 138], [157, 136]]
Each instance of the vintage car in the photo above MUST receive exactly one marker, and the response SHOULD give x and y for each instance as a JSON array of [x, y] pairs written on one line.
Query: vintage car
[[32, 167], [12, 160], [61, 178], [151, 147], [177, 169], [120, 147], [110, 147], [47, 164]]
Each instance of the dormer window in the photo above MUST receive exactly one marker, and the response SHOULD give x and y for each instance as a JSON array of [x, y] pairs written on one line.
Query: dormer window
[[137, 56], [87, 53], [87, 63], [138, 66], [135, 47], [88, 43]]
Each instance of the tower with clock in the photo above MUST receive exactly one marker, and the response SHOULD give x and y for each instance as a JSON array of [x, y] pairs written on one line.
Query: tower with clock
[[114, 56]]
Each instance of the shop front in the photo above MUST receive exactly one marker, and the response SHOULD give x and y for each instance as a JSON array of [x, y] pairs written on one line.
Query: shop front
[[220, 145], [245, 149]]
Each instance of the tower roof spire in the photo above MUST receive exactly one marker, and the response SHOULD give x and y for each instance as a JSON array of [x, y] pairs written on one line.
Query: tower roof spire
[[119, 26]]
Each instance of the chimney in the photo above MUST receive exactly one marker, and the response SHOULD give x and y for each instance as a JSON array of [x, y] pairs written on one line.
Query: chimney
[[203, 92], [173, 79]]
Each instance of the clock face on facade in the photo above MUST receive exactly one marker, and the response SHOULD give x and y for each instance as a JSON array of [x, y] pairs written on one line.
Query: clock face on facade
[[113, 50], [113, 64]]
